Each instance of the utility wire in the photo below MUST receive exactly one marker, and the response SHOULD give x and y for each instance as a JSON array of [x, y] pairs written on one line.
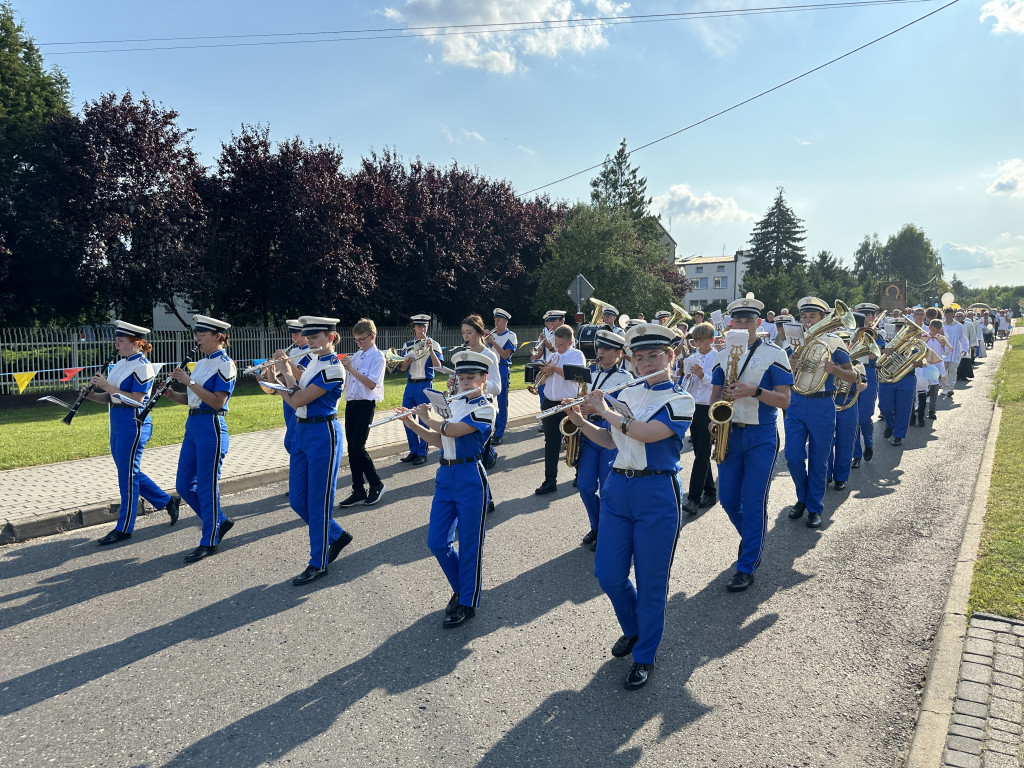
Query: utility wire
[[746, 101], [447, 30]]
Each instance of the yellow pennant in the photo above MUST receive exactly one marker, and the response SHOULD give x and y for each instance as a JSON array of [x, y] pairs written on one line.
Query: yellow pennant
[[191, 367], [23, 379]]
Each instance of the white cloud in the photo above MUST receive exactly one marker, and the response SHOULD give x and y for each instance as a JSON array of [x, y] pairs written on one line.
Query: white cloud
[[959, 257], [472, 135], [803, 142], [1009, 179], [724, 34], [526, 150], [681, 203], [1009, 15], [500, 51], [463, 135]]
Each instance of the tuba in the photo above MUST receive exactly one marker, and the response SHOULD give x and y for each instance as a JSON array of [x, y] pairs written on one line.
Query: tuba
[[905, 351], [814, 351], [720, 412], [599, 306], [863, 345]]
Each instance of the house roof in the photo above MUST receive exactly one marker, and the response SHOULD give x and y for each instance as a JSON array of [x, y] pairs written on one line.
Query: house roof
[[706, 260]]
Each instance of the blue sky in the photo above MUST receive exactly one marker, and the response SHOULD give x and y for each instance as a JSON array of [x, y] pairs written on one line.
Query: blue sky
[[925, 127]]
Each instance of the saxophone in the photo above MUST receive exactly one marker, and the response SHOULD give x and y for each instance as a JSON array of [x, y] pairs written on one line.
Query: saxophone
[[720, 413], [572, 440]]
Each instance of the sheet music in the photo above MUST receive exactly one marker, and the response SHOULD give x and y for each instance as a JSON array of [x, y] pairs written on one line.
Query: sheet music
[[438, 403], [55, 401], [619, 407], [794, 334], [128, 400]]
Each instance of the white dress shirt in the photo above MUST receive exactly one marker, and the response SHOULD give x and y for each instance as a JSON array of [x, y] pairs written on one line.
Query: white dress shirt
[[369, 363]]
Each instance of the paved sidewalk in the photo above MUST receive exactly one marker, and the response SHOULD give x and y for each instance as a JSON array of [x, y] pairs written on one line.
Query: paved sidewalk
[[43, 500]]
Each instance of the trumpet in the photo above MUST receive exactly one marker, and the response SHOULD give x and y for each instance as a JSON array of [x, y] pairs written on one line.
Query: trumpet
[[290, 357], [579, 400]]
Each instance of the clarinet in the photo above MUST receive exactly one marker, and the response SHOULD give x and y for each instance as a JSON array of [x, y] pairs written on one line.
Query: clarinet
[[140, 417], [84, 391]]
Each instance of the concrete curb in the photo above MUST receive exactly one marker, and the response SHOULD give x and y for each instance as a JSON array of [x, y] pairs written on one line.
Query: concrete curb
[[940, 690], [62, 520]]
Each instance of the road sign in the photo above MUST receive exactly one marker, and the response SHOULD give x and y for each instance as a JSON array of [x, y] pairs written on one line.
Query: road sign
[[579, 291]]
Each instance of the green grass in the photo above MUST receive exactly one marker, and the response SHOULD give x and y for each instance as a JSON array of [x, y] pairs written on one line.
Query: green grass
[[35, 435], [998, 584]]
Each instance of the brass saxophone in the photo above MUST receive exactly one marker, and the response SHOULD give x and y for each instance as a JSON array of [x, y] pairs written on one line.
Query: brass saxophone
[[572, 440], [720, 413]]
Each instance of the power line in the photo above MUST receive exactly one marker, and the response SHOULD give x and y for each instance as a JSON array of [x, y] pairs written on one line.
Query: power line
[[746, 101], [447, 30]]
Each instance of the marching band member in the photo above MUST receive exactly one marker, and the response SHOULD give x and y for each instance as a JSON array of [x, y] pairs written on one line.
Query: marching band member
[[865, 313], [761, 388], [317, 447], [420, 377], [460, 487], [640, 503], [473, 334], [596, 460], [208, 389], [840, 458], [700, 368], [553, 318], [364, 388], [610, 318], [782, 319], [896, 400], [298, 342], [504, 343], [661, 316], [556, 389], [132, 377], [810, 420]]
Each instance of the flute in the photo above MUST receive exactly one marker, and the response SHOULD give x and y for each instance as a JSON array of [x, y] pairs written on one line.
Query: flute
[[140, 417], [580, 400], [395, 416], [84, 392]]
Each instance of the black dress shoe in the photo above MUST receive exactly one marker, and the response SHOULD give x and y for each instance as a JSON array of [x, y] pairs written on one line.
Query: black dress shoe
[[590, 538], [740, 581], [888, 433], [920, 421], [490, 507], [813, 520], [226, 526], [173, 508], [113, 537], [839, 485], [593, 546], [797, 511], [638, 676], [913, 421], [690, 507], [546, 487], [374, 495], [855, 463], [408, 457], [460, 615], [356, 497], [417, 460], [707, 500], [453, 603], [931, 415], [868, 453], [490, 461], [312, 573], [624, 646], [898, 441], [199, 553], [496, 441], [337, 545]]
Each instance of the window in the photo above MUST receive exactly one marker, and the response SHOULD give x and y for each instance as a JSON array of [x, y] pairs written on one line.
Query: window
[[702, 284], [721, 268], [699, 270], [721, 282], [695, 305]]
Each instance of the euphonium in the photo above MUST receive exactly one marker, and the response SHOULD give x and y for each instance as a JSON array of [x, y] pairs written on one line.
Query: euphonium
[[904, 352], [863, 345], [720, 412], [599, 306], [813, 352]]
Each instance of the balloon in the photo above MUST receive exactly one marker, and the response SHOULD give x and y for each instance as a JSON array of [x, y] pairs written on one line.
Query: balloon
[[946, 299]]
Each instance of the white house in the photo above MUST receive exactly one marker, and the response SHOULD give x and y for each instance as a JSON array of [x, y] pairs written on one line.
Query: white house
[[713, 278]]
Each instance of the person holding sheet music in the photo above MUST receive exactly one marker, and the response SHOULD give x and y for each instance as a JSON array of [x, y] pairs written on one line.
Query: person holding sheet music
[[640, 504], [126, 383], [556, 389]]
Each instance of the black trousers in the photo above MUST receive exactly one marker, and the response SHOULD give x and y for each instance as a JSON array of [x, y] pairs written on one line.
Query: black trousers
[[552, 440], [965, 369], [358, 415], [702, 480]]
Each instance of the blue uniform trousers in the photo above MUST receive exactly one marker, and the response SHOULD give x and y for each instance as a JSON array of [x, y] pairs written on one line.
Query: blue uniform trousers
[[198, 481], [312, 478], [896, 402], [810, 425], [743, 482], [502, 418], [595, 464], [640, 522], [841, 455], [289, 426], [412, 397], [866, 414], [127, 439], [460, 503]]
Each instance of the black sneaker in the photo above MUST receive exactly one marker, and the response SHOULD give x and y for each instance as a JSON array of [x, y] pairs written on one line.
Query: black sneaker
[[690, 507], [337, 545], [840, 485], [855, 463], [546, 487], [173, 508], [624, 646], [638, 676], [375, 493], [356, 497], [797, 511], [407, 458], [868, 453], [460, 614], [740, 581], [707, 500], [814, 520]]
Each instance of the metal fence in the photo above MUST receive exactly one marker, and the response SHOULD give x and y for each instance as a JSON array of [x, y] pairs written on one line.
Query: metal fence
[[50, 352]]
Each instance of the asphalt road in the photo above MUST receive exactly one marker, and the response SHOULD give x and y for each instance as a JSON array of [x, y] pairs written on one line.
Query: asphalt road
[[125, 656]]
